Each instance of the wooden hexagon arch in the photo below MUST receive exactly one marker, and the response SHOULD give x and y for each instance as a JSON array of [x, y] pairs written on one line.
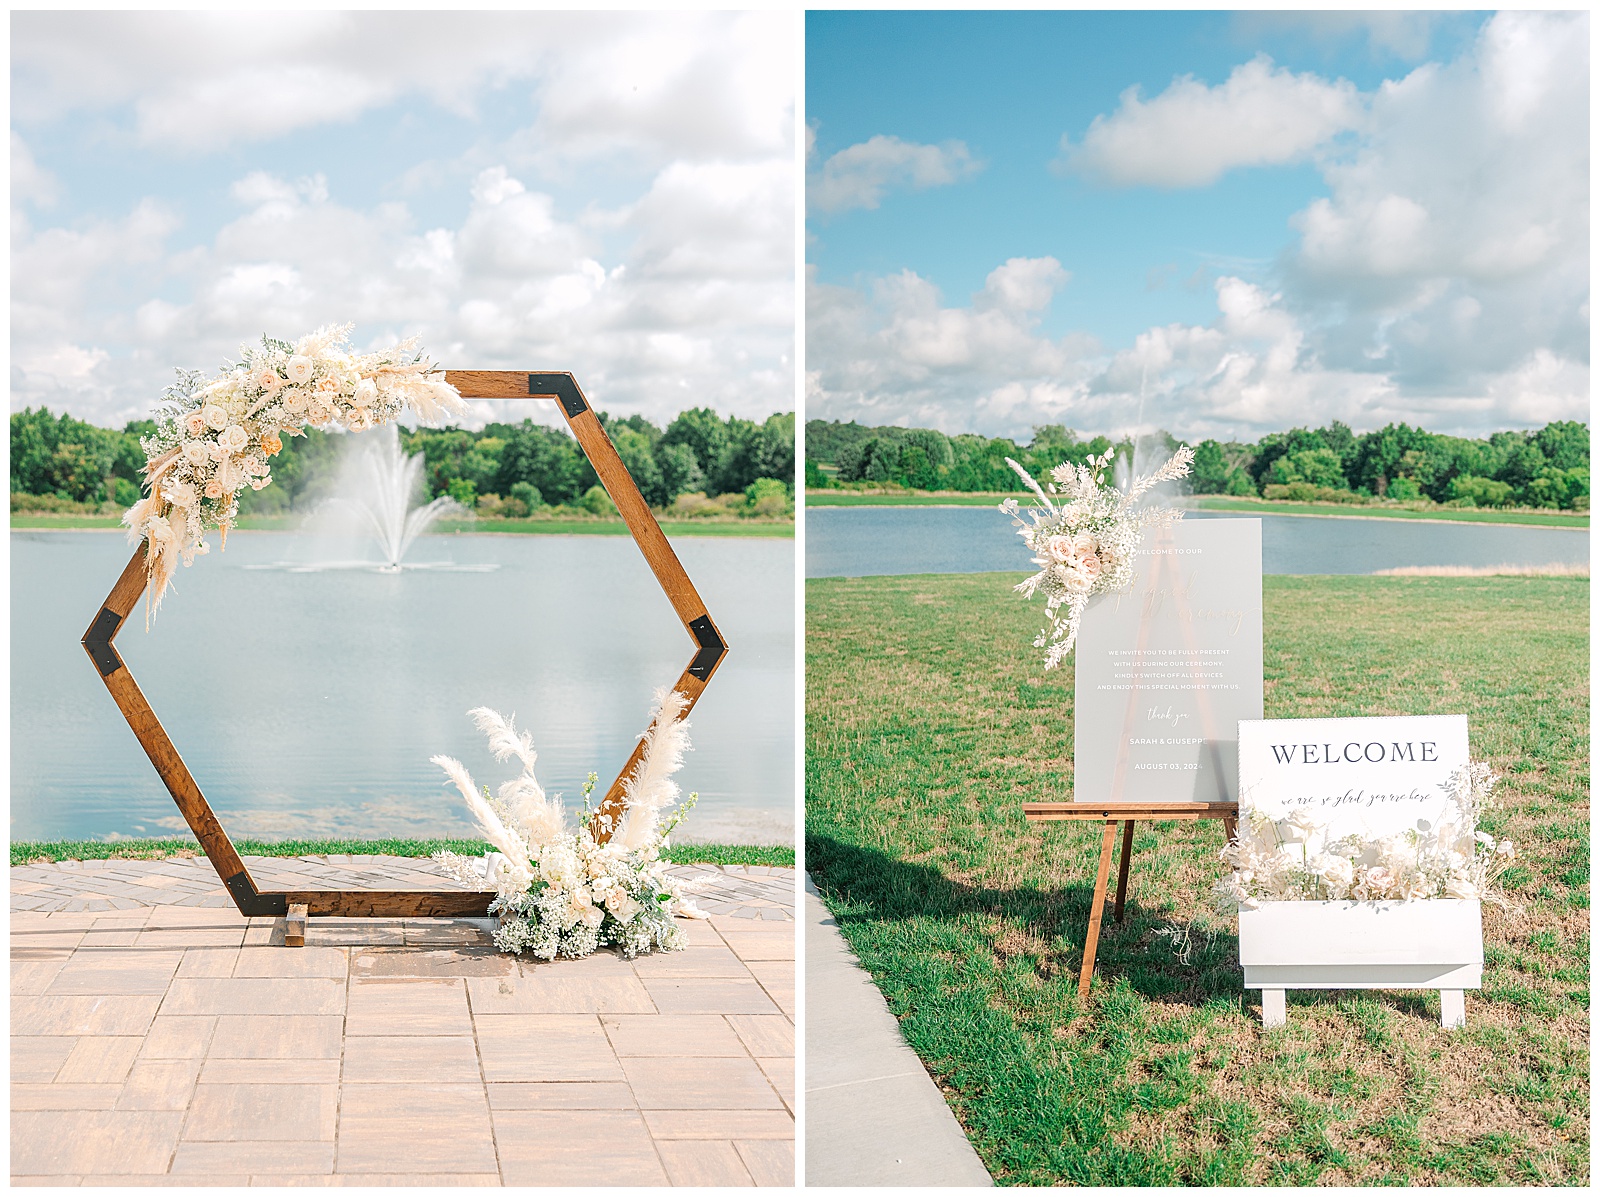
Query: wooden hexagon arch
[[158, 746]]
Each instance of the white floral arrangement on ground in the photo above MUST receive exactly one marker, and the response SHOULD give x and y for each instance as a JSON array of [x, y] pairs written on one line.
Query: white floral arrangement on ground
[[1084, 544], [1295, 860], [563, 892], [215, 436]]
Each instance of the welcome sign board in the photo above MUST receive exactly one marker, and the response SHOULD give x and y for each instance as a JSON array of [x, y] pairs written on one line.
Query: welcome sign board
[[1166, 668], [1370, 777]]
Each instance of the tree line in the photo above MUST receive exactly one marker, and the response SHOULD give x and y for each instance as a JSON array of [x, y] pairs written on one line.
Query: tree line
[[505, 468], [1545, 468]]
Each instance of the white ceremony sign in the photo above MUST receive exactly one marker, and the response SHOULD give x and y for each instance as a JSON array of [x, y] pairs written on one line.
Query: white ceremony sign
[[1370, 777], [1367, 777], [1166, 669]]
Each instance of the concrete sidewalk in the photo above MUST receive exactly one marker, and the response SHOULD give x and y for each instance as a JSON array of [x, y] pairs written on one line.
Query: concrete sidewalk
[[873, 1115], [158, 1038]]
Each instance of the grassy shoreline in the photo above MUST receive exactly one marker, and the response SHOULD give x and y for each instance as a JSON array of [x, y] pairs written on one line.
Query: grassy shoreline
[[923, 740], [30, 851], [1453, 515], [33, 522]]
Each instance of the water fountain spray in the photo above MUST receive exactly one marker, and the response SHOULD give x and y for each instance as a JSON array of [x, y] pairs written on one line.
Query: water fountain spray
[[384, 482]]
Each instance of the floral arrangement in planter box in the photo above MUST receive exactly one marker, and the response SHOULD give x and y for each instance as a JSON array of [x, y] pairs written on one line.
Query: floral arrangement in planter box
[[1295, 859], [1084, 544], [562, 892]]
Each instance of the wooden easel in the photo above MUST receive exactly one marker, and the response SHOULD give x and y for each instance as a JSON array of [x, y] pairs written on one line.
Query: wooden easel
[[1127, 814], [296, 906]]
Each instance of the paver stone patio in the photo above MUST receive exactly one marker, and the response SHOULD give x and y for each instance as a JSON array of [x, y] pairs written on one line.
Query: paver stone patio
[[158, 1037]]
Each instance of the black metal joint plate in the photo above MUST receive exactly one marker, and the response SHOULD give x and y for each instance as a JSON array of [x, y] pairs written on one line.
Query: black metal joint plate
[[704, 662], [711, 647], [98, 642], [705, 633], [563, 388], [252, 904]]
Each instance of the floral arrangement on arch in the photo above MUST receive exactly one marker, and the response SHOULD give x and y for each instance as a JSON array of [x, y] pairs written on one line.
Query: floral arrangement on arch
[[561, 892], [1296, 860], [214, 437], [1084, 543]]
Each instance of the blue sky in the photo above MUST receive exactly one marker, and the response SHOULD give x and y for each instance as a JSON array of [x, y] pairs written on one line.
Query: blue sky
[[1003, 110], [607, 193]]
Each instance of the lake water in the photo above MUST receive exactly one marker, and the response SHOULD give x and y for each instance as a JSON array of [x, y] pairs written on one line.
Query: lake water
[[861, 541], [308, 703]]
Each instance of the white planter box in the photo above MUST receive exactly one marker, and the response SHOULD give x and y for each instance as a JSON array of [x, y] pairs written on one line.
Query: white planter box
[[1432, 944]]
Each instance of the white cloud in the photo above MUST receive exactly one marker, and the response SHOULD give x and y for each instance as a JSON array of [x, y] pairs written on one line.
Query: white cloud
[[678, 287], [658, 84], [1191, 134], [858, 176], [896, 354], [1442, 280], [699, 297], [30, 182], [898, 357], [1403, 35], [1454, 240], [670, 85]]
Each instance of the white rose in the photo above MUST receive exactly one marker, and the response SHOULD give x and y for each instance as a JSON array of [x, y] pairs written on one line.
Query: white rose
[[1379, 881], [319, 412], [1058, 548], [230, 475], [179, 494], [366, 392], [196, 453], [299, 368], [294, 401], [1336, 871], [268, 381], [1072, 579], [1416, 887], [233, 439], [215, 416], [357, 420]]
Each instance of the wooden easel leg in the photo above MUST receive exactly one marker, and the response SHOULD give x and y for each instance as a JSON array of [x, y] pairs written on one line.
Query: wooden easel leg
[[1122, 870], [1096, 909], [1230, 829]]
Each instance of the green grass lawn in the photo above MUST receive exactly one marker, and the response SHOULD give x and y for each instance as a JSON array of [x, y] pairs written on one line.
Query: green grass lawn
[[1555, 519], [567, 527], [930, 722], [27, 852]]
